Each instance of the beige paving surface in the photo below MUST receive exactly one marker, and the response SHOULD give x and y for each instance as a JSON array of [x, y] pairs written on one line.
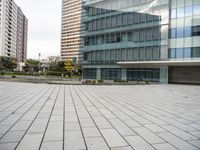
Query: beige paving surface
[[64, 117]]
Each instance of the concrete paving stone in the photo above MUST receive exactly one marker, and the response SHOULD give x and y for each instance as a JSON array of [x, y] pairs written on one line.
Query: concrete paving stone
[[195, 143], [58, 145], [164, 146], [43, 116], [12, 137], [138, 143], [122, 148], [196, 126], [108, 114], [30, 142], [121, 127], [71, 117], [195, 133], [39, 125], [56, 118], [54, 131], [177, 142], [155, 120], [86, 122], [74, 141], [21, 126], [72, 127], [180, 133], [132, 123], [7, 146], [10, 120], [113, 138], [154, 128], [102, 123], [149, 136], [141, 120], [4, 129], [91, 132], [30, 115], [178, 124], [122, 115], [96, 143], [57, 112]]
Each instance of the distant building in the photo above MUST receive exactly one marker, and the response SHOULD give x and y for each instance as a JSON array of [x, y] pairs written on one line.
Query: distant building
[[71, 29], [13, 31], [142, 40]]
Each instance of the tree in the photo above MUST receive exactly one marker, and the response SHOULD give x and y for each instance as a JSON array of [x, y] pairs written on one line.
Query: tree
[[8, 63], [32, 65], [69, 67]]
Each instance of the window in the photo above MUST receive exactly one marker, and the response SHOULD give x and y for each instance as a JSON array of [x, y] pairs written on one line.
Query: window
[[180, 32], [148, 53], [180, 12], [172, 53], [130, 18], [118, 55], [114, 23], [119, 20], [142, 53], [108, 22], [129, 54], [142, 17], [103, 23], [130, 36], [188, 11], [187, 52], [196, 52], [173, 33], [188, 31], [135, 54], [179, 53], [124, 19], [196, 9], [196, 31], [156, 53]]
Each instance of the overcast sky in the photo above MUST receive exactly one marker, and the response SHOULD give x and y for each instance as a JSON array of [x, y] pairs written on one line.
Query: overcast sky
[[44, 26]]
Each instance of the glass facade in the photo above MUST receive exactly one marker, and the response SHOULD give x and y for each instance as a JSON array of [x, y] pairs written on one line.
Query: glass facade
[[122, 31]]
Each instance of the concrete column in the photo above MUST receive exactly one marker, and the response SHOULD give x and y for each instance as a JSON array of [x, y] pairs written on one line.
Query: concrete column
[[124, 74], [98, 77], [164, 75]]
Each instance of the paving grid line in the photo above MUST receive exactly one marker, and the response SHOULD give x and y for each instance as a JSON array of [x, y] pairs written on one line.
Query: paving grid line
[[5, 87], [160, 127], [49, 118], [12, 96], [108, 120], [167, 125], [139, 108], [19, 106], [132, 129], [37, 113], [77, 116], [21, 98], [20, 118], [83, 98], [92, 119]]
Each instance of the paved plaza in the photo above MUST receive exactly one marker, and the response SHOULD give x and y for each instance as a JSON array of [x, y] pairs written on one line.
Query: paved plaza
[[67, 117]]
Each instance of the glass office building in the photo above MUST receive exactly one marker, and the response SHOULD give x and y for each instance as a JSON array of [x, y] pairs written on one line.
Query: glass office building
[[142, 40]]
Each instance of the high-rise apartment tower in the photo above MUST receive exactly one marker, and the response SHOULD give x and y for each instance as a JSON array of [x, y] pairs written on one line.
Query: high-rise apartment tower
[[71, 29]]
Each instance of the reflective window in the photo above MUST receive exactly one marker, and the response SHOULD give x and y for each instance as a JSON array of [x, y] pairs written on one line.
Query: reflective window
[[196, 31], [173, 13], [180, 12], [180, 32], [188, 31], [196, 9], [173, 33], [188, 11], [114, 21], [179, 53], [187, 52], [196, 52], [172, 53]]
